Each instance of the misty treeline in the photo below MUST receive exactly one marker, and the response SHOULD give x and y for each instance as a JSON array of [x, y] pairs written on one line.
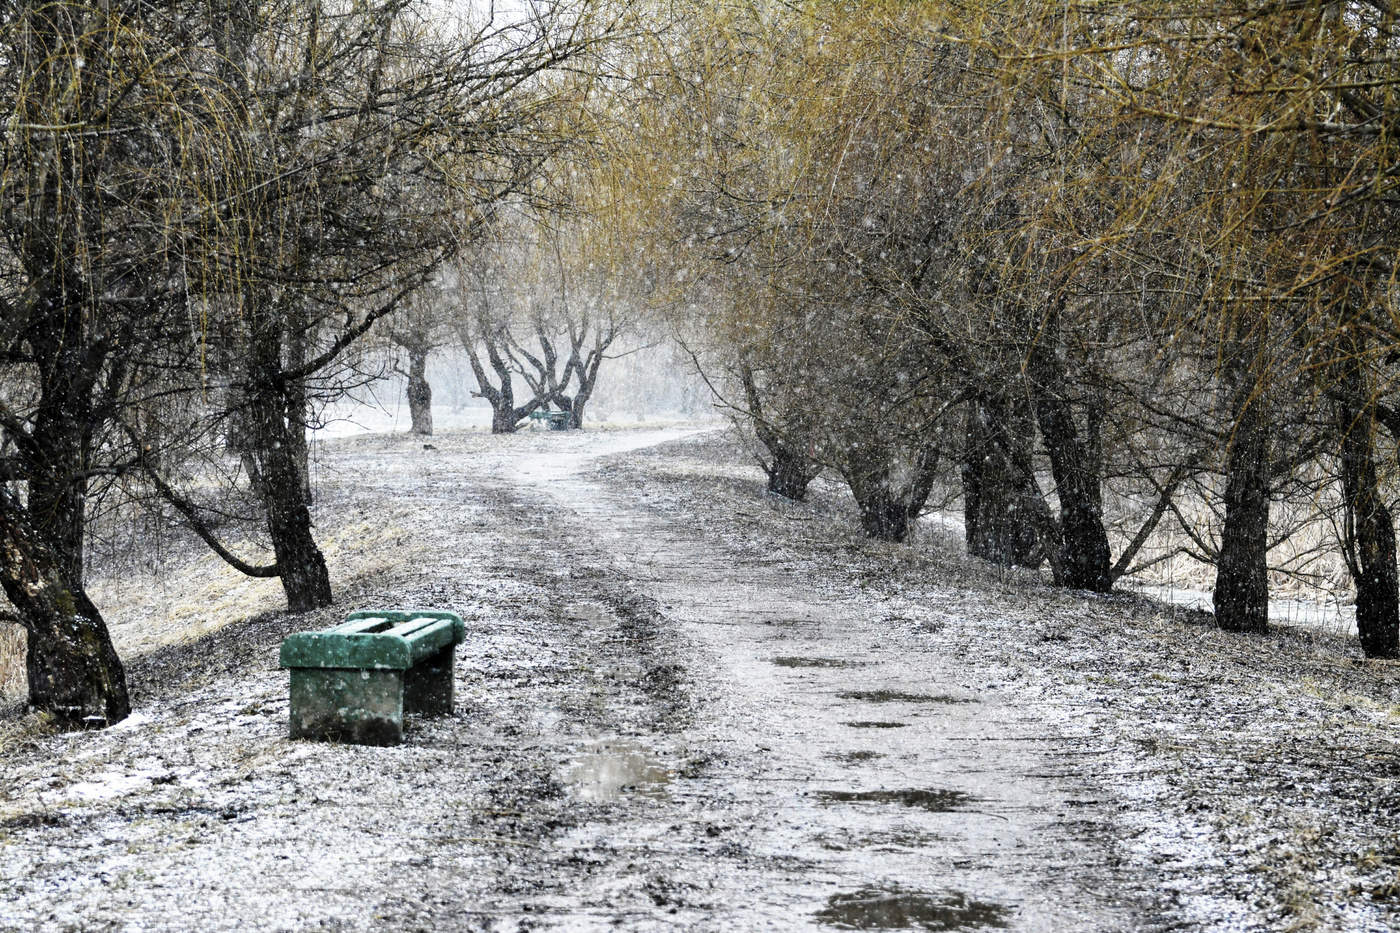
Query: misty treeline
[[1099, 269], [532, 314]]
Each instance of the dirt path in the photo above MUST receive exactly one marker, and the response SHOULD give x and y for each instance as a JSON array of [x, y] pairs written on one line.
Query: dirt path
[[872, 773], [683, 706]]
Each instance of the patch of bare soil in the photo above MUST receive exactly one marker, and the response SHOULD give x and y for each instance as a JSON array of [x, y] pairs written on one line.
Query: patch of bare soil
[[686, 705]]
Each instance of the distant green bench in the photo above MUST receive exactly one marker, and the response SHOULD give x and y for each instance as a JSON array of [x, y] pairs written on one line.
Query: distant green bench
[[557, 420], [355, 681]]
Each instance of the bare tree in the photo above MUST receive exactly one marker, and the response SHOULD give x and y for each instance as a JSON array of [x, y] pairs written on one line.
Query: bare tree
[[383, 144], [113, 121], [419, 329]]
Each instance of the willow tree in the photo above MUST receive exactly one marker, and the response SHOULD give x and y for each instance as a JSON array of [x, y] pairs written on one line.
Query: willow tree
[[847, 161], [186, 182], [1123, 242], [116, 157], [768, 145], [380, 138], [1271, 230]]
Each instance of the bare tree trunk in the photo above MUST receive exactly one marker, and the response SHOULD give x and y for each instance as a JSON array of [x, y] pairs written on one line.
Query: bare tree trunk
[[1000, 513], [74, 672], [587, 379], [420, 393], [278, 474], [789, 468], [301, 566], [297, 415], [882, 515], [1368, 530], [503, 421], [57, 481], [1241, 595], [575, 410], [1085, 559], [888, 506], [298, 409]]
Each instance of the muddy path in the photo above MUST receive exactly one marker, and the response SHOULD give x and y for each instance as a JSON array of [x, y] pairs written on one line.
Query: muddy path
[[871, 776], [683, 705]]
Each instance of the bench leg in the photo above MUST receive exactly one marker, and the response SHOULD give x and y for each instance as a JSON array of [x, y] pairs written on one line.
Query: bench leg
[[428, 685], [364, 707]]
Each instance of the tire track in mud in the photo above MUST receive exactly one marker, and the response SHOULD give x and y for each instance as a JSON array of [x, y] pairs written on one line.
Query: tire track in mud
[[857, 775]]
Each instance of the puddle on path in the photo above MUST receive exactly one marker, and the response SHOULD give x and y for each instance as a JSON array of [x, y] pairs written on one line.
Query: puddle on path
[[885, 841], [879, 909], [896, 696], [874, 724], [614, 769], [856, 756], [817, 662], [936, 800]]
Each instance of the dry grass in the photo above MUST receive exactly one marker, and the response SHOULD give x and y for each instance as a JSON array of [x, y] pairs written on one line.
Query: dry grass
[[11, 662], [203, 594], [188, 592]]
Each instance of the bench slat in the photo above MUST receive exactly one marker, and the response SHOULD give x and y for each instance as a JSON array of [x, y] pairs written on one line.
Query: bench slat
[[430, 640], [329, 649], [459, 628], [407, 628], [363, 624]]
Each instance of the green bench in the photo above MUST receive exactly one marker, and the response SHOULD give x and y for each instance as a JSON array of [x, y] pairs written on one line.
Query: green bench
[[557, 420], [355, 681]]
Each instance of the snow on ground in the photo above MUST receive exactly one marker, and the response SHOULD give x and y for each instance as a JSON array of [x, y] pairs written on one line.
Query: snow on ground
[[686, 705], [1327, 614]]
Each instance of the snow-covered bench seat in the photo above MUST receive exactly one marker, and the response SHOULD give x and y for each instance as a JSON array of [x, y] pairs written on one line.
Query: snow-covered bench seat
[[355, 681]]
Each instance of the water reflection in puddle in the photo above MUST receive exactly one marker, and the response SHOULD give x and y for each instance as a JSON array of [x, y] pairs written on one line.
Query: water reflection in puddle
[[878, 909], [817, 662], [613, 769], [935, 800], [895, 696]]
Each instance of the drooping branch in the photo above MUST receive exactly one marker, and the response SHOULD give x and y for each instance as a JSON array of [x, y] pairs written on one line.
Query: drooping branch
[[192, 517]]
